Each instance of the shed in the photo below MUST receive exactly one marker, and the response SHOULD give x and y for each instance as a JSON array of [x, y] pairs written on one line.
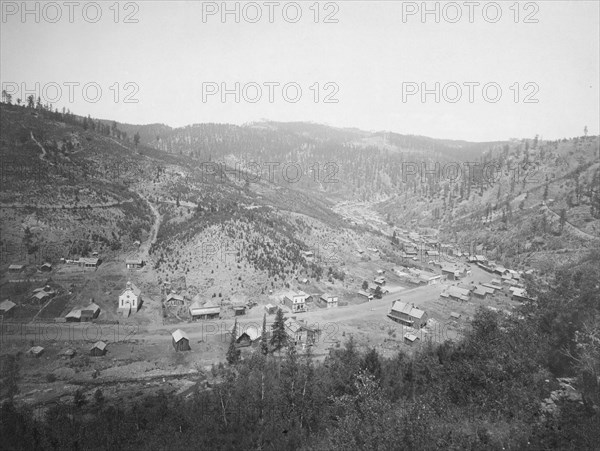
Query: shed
[[90, 312], [270, 309], [7, 308], [99, 349], [73, 316], [181, 341], [67, 353], [410, 338], [35, 351], [15, 268], [46, 267]]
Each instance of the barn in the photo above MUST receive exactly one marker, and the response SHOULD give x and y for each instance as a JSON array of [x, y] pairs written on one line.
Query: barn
[[181, 342]]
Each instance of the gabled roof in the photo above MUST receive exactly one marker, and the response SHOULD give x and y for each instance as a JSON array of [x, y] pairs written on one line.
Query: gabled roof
[[99, 345], [15, 266], [410, 337], [75, 313], [179, 334], [458, 292], [93, 307], [175, 296], [133, 261], [40, 295], [252, 332], [6, 305], [36, 350], [88, 261], [133, 289], [407, 309]]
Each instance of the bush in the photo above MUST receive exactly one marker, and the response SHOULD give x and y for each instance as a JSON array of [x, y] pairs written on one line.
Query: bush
[[50, 377]]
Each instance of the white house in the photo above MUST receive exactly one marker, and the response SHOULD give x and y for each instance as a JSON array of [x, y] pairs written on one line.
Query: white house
[[330, 299], [296, 301], [130, 299]]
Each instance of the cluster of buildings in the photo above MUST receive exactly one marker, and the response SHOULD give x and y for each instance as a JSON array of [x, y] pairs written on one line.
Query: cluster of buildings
[[296, 301], [82, 314]]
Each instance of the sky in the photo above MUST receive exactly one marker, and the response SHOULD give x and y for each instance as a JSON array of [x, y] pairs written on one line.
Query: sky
[[490, 71]]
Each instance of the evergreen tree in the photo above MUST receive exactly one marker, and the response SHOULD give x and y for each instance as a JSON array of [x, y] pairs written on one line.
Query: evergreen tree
[[279, 337], [233, 353], [264, 344]]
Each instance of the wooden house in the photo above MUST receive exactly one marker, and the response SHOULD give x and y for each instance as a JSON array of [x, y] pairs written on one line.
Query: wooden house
[[174, 300], [270, 309], [134, 263], [209, 310], [296, 301], [407, 314], [90, 312], [99, 349], [7, 308], [181, 341], [330, 300], [74, 316]]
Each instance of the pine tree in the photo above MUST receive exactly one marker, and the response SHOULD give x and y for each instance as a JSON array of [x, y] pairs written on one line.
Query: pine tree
[[233, 353], [279, 337], [264, 344]]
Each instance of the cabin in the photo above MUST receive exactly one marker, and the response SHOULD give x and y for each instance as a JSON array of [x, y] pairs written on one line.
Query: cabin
[[35, 351], [174, 299], [431, 253], [246, 336], [7, 308], [429, 279], [409, 338], [461, 294], [209, 310], [481, 291], [41, 296], [134, 263], [181, 341], [15, 268], [99, 349], [330, 300], [407, 314], [364, 294], [270, 309], [46, 267], [519, 294], [454, 315], [296, 301], [74, 316], [239, 310], [380, 280], [88, 262], [130, 299], [90, 312], [300, 333], [67, 354]]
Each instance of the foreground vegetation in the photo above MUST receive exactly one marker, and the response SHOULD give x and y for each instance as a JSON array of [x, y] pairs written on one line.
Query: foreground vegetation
[[483, 392]]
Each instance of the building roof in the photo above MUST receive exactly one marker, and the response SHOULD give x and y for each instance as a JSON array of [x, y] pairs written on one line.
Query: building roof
[[251, 331], [36, 350], [88, 261], [99, 345], [133, 261], [269, 306], [454, 315], [364, 293], [6, 305], [458, 292], [132, 288], [75, 313], [40, 295], [179, 334], [93, 307], [291, 294], [410, 337], [15, 266], [209, 308], [407, 309], [175, 296]]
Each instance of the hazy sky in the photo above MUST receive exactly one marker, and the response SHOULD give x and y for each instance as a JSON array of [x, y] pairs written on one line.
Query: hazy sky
[[373, 54]]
